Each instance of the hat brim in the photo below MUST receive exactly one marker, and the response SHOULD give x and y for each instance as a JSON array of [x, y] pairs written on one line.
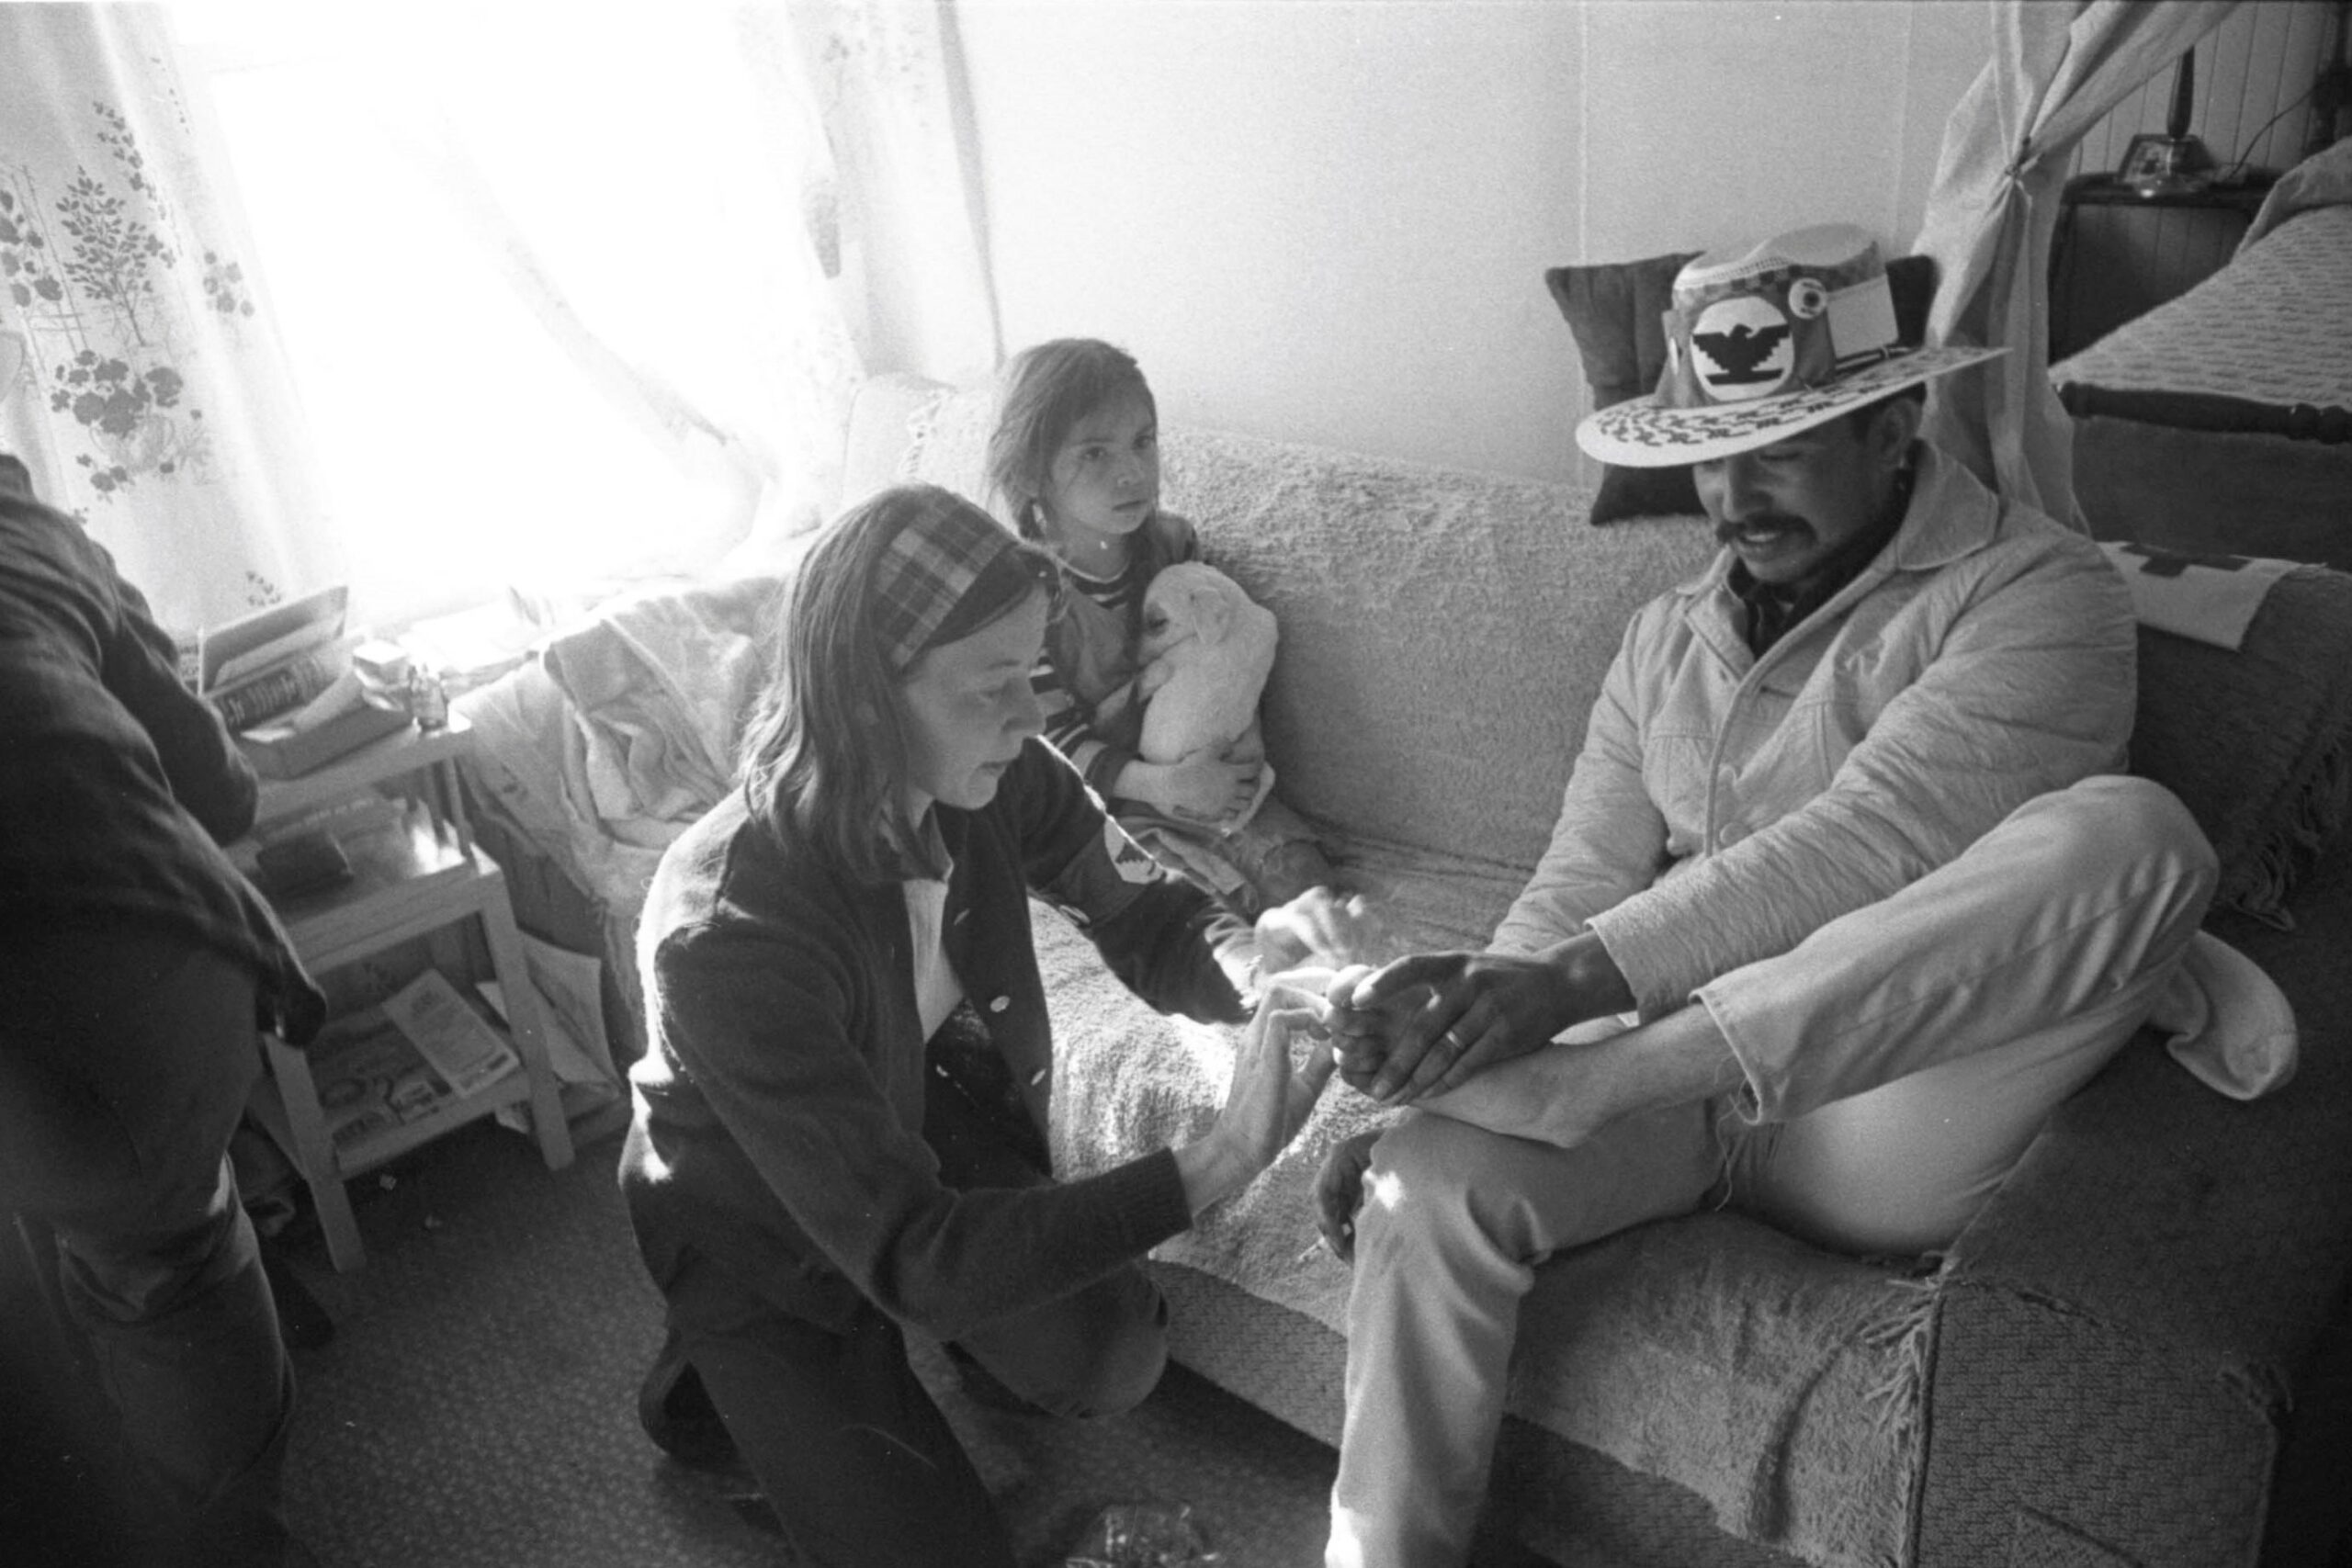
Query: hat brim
[[1638, 434]]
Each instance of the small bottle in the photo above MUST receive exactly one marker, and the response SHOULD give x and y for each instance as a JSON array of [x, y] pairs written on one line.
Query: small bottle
[[428, 698]]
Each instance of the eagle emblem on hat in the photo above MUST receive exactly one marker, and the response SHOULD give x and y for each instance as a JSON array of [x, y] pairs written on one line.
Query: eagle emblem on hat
[[1741, 349]]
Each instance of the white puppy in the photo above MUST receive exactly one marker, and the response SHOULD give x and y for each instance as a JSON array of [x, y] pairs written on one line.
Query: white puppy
[[1206, 651]]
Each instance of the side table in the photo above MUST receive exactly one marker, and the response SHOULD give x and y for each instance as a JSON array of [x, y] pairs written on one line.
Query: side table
[[2139, 250], [424, 877]]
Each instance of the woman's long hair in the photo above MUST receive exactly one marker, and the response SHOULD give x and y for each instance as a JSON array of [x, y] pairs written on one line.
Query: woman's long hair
[[825, 756], [1049, 388]]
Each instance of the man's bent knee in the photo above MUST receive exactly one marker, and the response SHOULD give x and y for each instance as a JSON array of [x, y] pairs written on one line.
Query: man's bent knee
[[2114, 820], [1439, 1186], [1423, 1175]]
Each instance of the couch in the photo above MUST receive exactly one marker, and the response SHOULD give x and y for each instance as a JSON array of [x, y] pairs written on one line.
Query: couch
[[2138, 1353]]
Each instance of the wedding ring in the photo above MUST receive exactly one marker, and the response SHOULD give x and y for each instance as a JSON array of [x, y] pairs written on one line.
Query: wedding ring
[[1456, 1040]]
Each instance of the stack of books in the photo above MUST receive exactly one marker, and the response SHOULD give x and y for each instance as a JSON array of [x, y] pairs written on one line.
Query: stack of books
[[281, 679]]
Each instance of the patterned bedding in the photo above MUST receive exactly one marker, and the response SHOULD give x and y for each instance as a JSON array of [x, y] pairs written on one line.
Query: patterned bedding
[[591, 759], [2274, 327]]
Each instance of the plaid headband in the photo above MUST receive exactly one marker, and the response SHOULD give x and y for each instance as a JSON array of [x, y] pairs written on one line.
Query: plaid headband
[[947, 570]]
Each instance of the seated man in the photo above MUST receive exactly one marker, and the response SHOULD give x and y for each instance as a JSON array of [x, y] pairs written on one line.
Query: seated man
[[1846, 847]]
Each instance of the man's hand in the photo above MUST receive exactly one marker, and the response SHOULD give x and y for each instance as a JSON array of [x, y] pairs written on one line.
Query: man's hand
[[1425, 1023], [1319, 928], [1339, 1193]]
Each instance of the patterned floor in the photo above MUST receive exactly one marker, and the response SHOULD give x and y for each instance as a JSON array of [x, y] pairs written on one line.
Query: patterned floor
[[476, 1404]]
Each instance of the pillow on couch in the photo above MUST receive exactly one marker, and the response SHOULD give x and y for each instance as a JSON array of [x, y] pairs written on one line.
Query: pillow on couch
[[1617, 312], [2258, 743]]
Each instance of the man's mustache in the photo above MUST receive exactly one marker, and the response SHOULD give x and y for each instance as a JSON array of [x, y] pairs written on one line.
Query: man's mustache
[[1732, 526]]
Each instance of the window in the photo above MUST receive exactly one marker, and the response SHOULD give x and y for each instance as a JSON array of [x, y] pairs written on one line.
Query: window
[[540, 276]]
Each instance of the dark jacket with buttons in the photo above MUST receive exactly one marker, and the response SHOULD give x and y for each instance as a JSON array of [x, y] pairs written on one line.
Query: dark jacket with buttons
[[780, 1101]]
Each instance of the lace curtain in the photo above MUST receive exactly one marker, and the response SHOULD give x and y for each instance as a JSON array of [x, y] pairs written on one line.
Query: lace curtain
[[568, 294], [2057, 71], [148, 396]]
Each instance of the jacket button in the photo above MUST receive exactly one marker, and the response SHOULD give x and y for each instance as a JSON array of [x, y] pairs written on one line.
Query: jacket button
[[1000, 1004]]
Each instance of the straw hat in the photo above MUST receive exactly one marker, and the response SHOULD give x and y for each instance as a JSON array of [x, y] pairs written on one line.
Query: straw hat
[[1766, 342]]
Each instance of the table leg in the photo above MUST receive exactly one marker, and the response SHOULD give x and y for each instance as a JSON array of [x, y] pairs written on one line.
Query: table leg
[[298, 1092], [527, 1023]]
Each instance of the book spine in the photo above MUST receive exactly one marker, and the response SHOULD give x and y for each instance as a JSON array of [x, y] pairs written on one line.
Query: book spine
[[279, 688]]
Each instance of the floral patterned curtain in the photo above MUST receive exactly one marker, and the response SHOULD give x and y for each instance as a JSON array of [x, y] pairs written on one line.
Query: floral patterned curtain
[[148, 399], [682, 234]]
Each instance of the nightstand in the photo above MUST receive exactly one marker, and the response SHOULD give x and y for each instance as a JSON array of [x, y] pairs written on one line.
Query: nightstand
[[417, 873], [2118, 254]]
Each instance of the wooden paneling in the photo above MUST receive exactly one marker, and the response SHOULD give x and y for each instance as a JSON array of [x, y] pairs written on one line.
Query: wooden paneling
[[2252, 111], [2261, 59]]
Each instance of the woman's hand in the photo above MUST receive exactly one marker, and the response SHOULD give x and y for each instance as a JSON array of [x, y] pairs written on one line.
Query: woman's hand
[[1208, 787], [1265, 1105], [1423, 1024], [1339, 1193]]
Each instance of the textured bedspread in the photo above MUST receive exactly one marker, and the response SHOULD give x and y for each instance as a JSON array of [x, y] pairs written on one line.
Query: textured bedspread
[[2273, 327]]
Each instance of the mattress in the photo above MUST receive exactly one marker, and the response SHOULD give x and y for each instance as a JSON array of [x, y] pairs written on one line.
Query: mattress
[[2273, 328], [2221, 421]]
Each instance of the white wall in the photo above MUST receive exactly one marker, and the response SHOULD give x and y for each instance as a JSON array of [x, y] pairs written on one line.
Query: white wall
[[1328, 221]]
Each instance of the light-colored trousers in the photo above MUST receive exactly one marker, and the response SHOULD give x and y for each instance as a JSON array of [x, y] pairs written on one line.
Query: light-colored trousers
[[2039, 951]]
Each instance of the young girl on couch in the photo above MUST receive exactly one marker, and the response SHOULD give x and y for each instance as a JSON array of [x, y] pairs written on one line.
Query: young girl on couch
[[1075, 458]]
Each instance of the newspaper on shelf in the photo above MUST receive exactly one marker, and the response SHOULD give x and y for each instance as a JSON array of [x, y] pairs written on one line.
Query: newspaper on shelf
[[370, 1080], [448, 1033]]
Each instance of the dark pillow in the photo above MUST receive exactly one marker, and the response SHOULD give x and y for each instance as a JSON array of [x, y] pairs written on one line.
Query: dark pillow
[[2258, 743], [1617, 314]]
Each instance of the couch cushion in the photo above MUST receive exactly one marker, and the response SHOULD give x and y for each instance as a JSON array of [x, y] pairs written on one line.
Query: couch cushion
[[2258, 743], [1616, 309]]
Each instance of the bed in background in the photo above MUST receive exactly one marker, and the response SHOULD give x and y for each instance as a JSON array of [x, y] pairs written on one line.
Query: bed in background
[[2221, 421]]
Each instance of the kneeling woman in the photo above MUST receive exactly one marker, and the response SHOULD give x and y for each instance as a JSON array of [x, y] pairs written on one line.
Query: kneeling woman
[[836, 1135]]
